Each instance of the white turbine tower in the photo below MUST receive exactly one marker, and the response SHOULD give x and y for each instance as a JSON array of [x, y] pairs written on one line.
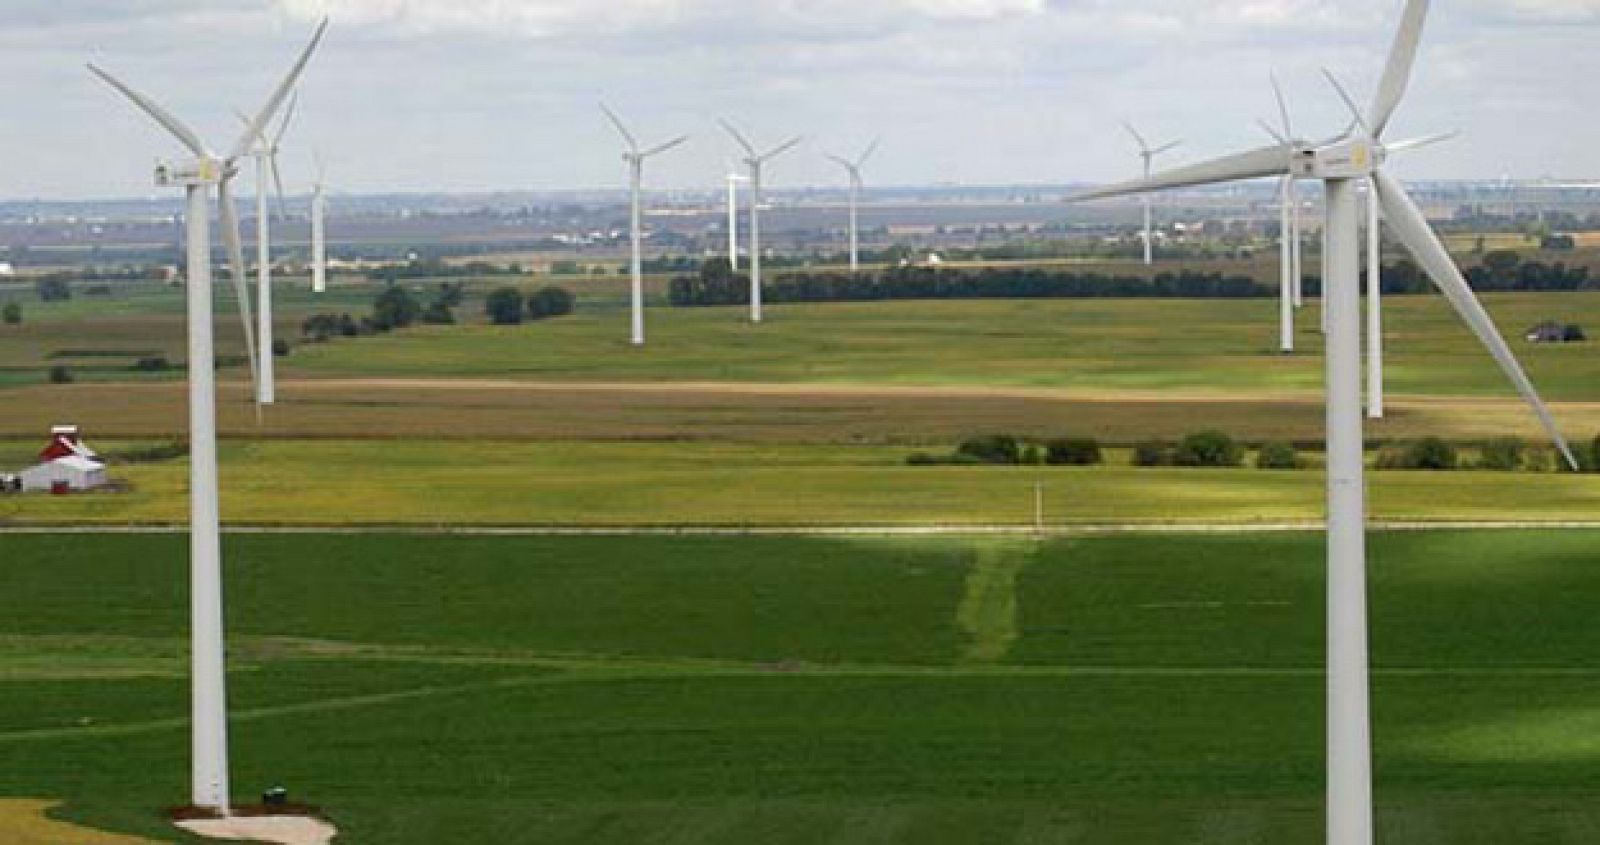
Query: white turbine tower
[[1288, 230], [209, 726], [756, 161], [1341, 163], [265, 152], [733, 219], [1148, 155], [636, 159], [319, 229], [853, 170]]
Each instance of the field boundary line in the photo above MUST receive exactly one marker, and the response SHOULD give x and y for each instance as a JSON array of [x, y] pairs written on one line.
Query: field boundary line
[[868, 530]]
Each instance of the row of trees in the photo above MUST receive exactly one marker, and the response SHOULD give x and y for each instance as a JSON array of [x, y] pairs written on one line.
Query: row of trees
[[507, 306], [717, 284], [1218, 449]]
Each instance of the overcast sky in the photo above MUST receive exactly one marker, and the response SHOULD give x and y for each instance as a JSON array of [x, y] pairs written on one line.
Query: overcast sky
[[491, 94]]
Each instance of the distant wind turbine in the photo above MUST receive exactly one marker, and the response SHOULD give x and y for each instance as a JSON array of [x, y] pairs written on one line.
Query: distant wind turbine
[[853, 171], [636, 159], [265, 152], [319, 228], [733, 219], [1288, 230], [756, 162], [1149, 157], [209, 718]]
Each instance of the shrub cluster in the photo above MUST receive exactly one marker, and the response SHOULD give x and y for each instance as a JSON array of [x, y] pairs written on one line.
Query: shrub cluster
[[506, 306]]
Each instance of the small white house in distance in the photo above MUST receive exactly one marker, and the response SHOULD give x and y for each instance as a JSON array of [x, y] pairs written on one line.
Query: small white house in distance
[[65, 466]]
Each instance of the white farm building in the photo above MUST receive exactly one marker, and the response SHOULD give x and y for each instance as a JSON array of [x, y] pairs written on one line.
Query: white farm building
[[65, 466]]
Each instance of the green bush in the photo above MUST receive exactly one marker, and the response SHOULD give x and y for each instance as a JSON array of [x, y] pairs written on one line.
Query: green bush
[[991, 449], [1074, 451], [1504, 454], [280, 348], [12, 313], [61, 375], [1208, 449], [1033, 455], [438, 314], [504, 306], [1277, 455], [1152, 453], [152, 364], [550, 302], [395, 308], [1429, 453]]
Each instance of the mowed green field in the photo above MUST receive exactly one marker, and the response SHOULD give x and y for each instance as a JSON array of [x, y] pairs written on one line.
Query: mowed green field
[[497, 483], [783, 690], [1206, 346]]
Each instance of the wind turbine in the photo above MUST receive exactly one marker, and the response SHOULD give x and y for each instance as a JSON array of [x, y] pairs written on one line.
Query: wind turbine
[[853, 170], [319, 230], [1288, 229], [265, 152], [756, 161], [1374, 218], [1341, 163], [636, 160], [733, 219], [209, 724], [1149, 157]]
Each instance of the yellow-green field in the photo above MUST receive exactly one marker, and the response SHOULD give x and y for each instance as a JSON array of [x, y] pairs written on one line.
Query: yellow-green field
[[421, 483]]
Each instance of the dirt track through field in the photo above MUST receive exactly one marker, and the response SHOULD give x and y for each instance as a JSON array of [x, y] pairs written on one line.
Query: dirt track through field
[[743, 412]]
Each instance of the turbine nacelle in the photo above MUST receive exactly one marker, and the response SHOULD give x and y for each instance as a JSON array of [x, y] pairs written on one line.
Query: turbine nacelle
[[1350, 158], [205, 170]]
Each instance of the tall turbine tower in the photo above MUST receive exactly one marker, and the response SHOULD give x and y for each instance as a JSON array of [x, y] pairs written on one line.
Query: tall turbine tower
[[319, 229], [1149, 157], [756, 161], [1340, 164], [733, 219], [852, 169], [209, 725], [636, 159], [265, 153]]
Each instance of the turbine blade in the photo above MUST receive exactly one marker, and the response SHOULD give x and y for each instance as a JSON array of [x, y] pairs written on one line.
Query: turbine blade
[[288, 117], [1137, 138], [259, 124], [871, 148], [738, 136], [1283, 107], [229, 220], [661, 148], [182, 132], [782, 148], [1355, 111], [1409, 225], [1276, 136], [277, 184], [1419, 143], [1397, 73], [1266, 161], [633, 143], [1167, 148]]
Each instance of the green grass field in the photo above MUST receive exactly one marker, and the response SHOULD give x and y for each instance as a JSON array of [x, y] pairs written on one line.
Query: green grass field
[[719, 484], [1220, 347], [649, 690]]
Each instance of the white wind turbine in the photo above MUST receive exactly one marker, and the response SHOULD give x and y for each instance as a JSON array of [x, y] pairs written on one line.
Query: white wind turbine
[[1288, 229], [1341, 163], [853, 170], [1148, 155], [733, 219], [209, 726], [756, 161], [1374, 219], [319, 229], [636, 159], [265, 152]]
